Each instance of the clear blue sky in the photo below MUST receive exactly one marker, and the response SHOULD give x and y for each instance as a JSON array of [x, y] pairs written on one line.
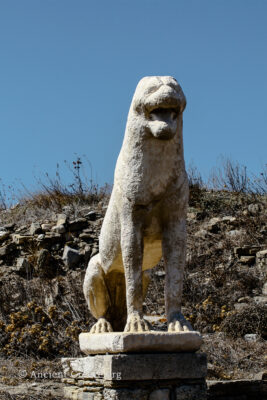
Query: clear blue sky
[[68, 70]]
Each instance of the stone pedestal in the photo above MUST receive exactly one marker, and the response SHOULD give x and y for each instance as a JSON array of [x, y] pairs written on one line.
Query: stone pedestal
[[139, 342], [143, 376]]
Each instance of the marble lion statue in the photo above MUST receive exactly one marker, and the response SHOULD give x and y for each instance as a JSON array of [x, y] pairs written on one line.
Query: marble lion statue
[[146, 215]]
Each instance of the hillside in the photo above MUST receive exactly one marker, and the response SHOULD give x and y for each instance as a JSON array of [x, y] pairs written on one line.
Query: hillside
[[45, 248]]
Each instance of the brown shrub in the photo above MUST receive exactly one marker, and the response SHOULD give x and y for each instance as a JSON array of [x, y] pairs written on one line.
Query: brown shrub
[[252, 319]]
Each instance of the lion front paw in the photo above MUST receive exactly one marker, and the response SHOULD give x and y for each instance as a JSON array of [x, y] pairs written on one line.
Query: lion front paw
[[135, 323], [101, 326], [178, 323]]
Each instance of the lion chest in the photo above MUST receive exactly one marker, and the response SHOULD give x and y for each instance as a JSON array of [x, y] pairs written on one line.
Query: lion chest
[[146, 173]]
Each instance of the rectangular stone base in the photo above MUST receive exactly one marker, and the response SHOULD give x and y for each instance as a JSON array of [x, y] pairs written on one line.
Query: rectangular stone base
[[129, 342], [146, 376]]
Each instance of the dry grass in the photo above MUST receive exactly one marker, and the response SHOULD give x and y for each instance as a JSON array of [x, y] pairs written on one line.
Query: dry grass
[[39, 330], [233, 359], [51, 196], [253, 319]]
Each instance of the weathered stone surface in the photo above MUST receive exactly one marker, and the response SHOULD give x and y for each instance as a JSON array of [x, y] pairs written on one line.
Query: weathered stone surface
[[81, 394], [147, 376], [237, 390], [125, 394], [246, 250], [5, 250], [247, 260], [189, 392], [21, 229], [146, 213], [47, 389], [71, 257], [4, 234], [260, 299], [9, 227], [262, 254], [261, 259], [95, 251], [46, 264], [253, 250], [241, 251], [202, 233], [87, 237], [255, 208], [186, 392], [35, 228], [251, 337], [20, 239], [245, 299], [84, 211], [23, 265], [160, 394], [216, 224], [49, 239], [77, 225], [213, 225], [240, 306], [137, 367], [59, 228], [86, 252], [62, 219], [117, 342], [46, 227], [91, 215], [228, 219], [235, 233], [264, 289]]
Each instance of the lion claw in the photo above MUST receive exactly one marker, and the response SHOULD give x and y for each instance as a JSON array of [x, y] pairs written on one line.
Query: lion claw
[[135, 323], [178, 323], [101, 326]]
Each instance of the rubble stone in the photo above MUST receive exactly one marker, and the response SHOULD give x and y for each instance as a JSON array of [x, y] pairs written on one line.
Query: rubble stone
[[59, 228], [23, 265], [251, 337], [92, 215], [62, 219], [71, 257], [7, 249], [264, 289], [77, 224], [247, 260], [20, 239], [46, 227], [4, 234], [35, 228]]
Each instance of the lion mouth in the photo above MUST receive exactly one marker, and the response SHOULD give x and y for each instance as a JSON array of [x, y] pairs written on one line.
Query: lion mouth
[[162, 110], [163, 122], [162, 114]]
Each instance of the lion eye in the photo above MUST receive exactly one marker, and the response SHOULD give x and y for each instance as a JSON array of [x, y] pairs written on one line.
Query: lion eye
[[152, 89]]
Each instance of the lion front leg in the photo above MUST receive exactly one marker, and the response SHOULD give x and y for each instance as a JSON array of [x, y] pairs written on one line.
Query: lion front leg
[[132, 255], [174, 250]]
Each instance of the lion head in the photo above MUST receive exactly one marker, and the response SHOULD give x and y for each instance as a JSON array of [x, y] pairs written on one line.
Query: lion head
[[158, 101]]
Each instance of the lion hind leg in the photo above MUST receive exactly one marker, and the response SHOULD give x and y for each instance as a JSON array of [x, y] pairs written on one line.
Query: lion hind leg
[[95, 289]]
